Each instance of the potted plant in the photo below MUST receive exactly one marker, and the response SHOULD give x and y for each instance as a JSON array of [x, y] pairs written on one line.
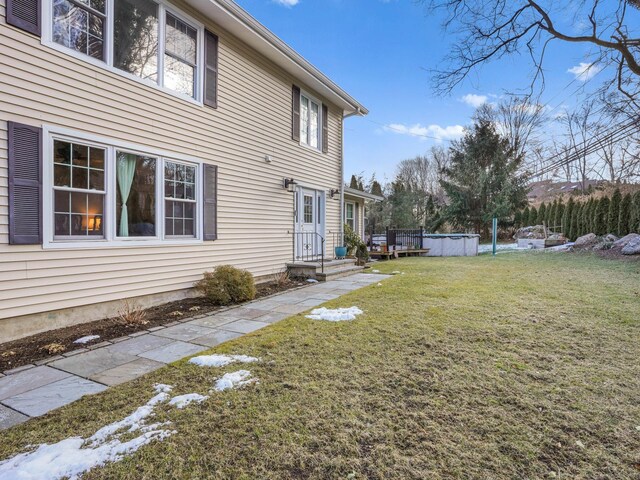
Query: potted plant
[[340, 252]]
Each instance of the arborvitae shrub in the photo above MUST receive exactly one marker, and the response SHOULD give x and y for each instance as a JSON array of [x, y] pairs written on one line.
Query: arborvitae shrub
[[533, 216], [614, 212], [602, 216], [634, 223], [557, 220], [624, 219], [566, 217], [541, 214], [524, 219]]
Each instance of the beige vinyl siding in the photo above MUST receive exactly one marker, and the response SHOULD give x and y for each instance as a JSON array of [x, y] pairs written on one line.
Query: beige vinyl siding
[[42, 86]]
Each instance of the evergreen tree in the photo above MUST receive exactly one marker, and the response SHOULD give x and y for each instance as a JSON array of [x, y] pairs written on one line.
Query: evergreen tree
[[517, 219], [591, 215], [601, 223], [567, 216], [354, 183], [574, 221], [551, 217], [624, 219], [376, 188], [483, 179], [525, 217], [586, 226], [542, 211], [634, 224], [361, 186], [402, 202], [533, 216], [614, 212], [557, 222]]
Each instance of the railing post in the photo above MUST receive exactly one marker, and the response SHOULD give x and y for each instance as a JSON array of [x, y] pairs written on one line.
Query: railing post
[[386, 232]]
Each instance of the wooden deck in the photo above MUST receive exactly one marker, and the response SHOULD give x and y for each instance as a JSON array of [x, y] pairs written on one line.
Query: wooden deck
[[398, 253]]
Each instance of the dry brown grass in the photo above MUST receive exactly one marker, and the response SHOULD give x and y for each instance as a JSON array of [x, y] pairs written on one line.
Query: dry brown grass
[[515, 367], [131, 314]]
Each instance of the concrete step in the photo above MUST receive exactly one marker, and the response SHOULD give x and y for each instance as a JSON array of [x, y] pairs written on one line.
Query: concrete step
[[332, 274]]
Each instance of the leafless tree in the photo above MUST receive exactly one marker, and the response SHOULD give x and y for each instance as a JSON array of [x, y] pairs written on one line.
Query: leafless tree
[[487, 30], [618, 160], [520, 122], [580, 127]]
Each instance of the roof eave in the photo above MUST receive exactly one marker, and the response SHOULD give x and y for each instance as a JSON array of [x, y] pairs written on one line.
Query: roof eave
[[360, 194], [240, 23]]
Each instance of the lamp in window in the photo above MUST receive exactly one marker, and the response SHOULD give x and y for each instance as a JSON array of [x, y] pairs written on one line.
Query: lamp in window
[[290, 185], [333, 192]]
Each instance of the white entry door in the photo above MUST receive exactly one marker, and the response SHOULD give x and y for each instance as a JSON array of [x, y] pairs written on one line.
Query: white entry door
[[309, 224]]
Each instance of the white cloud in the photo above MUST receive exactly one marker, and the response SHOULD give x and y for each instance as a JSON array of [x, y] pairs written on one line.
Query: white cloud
[[435, 132], [585, 71], [474, 100], [287, 3]]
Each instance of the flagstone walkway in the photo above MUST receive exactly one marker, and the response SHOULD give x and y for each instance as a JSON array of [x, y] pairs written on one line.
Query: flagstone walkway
[[32, 390]]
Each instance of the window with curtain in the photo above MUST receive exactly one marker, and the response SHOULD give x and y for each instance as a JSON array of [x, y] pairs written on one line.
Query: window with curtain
[[78, 184], [135, 195], [310, 118]]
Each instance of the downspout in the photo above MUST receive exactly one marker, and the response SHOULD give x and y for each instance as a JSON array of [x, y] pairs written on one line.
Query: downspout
[[358, 112]]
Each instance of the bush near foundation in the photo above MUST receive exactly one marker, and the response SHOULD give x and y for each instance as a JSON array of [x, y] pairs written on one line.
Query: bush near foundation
[[227, 285]]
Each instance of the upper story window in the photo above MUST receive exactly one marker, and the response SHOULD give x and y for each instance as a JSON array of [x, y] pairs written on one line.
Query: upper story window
[[143, 38], [310, 126]]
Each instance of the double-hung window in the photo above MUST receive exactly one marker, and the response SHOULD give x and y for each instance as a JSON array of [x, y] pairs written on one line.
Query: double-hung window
[[144, 38], [102, 192], [349, 214], [310, 121]]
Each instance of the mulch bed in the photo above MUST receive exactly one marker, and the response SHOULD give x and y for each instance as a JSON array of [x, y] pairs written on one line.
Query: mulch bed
[[34, 348]]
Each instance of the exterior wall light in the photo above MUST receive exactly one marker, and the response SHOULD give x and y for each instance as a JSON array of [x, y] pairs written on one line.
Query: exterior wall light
[[333, 192], [290, 185]]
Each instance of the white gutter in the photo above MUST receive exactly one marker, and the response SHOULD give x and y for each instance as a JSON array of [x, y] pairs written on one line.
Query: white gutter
[[243, 25], [344, 117]]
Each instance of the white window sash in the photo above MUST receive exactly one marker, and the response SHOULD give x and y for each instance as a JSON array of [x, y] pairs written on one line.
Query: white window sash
[[110, 238], [306, 123], [107, 64]]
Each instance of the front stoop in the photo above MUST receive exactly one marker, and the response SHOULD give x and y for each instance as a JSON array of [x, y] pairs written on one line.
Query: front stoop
[[332, 269]]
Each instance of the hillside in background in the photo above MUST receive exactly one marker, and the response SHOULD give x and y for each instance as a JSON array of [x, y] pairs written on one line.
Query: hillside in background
[[547, 190]]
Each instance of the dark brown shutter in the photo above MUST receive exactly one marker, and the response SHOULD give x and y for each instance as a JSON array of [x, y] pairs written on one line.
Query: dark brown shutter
[[295, 113], [325, 128], [210, 202], [211, 72], [25, 184], [24, 14]]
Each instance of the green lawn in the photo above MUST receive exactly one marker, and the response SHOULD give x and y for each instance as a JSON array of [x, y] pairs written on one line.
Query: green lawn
[[491, 368]]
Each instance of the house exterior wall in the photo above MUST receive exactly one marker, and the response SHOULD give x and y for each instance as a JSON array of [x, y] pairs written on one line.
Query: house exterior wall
[[42, 86]]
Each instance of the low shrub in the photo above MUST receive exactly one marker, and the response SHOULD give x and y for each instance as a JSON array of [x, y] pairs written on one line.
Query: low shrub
[[355, 245], [227, 285], [131, 314]]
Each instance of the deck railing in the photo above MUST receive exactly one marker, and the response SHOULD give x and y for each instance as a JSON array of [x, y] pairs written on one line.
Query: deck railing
[[399, 238]]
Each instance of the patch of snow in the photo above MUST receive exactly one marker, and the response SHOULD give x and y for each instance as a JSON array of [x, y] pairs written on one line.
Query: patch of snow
[[72, 457], [234, 380], [375, 271], [335, 315], [218, 360], [379, 284], [312, 280], [488, 248], [182, 401], [395, 272], [579, 444], [87, 339]]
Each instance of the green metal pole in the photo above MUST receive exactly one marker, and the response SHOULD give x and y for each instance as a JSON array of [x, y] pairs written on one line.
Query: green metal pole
[[495, 235]]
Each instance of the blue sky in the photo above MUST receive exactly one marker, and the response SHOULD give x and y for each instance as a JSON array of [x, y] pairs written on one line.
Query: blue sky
[[381, 52]]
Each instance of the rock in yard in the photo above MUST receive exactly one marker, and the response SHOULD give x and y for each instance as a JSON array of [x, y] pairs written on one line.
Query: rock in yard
[[632, 248], [585, 240], [625, 240], [610, 238]]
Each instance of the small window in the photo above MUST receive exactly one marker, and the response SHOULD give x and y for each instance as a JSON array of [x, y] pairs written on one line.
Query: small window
[[349, 215], [308, 209], [180, 199], [78, 184], [310, 122], [80, 26]]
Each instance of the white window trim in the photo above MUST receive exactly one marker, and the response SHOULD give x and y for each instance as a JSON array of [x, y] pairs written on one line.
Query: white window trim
[[109, 218], [107, 64], [313, 99], [353, 219]]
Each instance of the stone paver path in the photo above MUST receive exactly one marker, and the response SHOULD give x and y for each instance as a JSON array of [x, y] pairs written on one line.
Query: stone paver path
[[31, 392]]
